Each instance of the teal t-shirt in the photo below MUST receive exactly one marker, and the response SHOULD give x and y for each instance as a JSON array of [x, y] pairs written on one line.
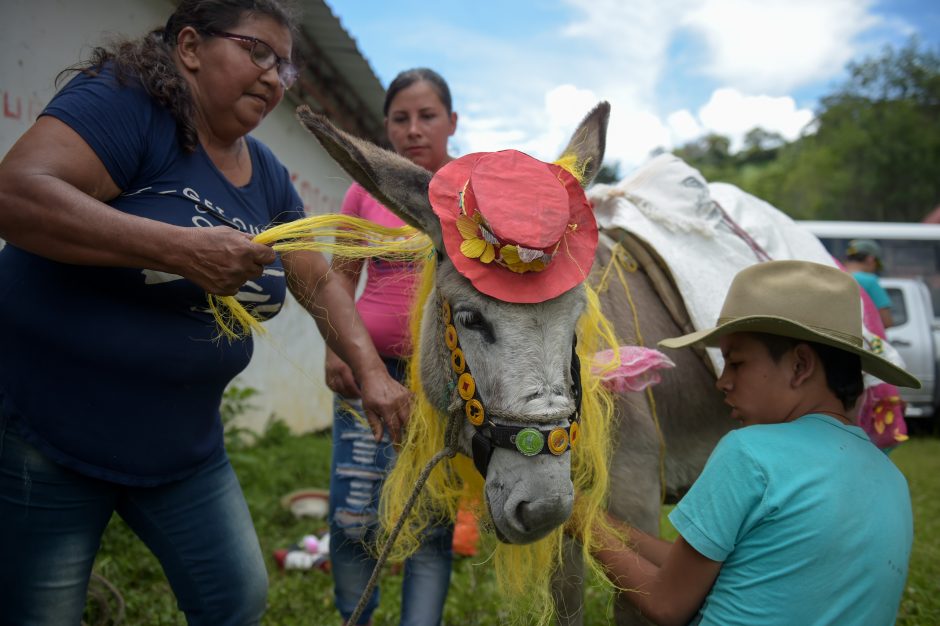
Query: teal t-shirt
[[876, 292], [812, 524]]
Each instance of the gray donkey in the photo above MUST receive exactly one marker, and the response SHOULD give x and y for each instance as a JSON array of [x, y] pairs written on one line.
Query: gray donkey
[[662, 439]]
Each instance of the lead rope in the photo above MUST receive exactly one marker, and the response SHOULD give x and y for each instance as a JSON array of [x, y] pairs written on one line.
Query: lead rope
[[619, 260], [449, 451]]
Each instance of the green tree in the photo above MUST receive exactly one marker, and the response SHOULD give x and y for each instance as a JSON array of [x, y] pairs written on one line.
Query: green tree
[[711, 155], [872, 153], [760, 146], [711, 150], [609, 173], [875, 154]]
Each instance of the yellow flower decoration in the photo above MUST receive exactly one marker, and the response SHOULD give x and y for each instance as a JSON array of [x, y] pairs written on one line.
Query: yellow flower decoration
[[510, 256], [884, 417], [474, 246]]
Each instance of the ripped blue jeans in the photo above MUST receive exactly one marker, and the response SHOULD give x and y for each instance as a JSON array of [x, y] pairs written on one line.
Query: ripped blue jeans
[[358, 470]]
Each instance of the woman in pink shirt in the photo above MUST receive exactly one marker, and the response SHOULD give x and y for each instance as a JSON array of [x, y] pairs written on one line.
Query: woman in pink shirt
[[419, 120]]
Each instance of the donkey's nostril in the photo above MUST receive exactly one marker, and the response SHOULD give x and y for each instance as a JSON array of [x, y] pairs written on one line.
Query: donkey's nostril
[[524, 515], [543, 514]]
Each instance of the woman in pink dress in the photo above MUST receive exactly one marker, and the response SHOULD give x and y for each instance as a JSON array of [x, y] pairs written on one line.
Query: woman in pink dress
[[419, 120]]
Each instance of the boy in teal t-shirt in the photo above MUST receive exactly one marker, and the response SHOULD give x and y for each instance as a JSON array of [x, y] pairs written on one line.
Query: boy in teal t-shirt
[[797, 518]]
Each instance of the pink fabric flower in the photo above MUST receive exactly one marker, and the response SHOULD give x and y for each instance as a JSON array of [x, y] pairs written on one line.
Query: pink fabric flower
[[637, 369]]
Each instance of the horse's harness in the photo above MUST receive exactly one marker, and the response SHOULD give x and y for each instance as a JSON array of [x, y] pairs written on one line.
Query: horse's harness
[[488, 435]]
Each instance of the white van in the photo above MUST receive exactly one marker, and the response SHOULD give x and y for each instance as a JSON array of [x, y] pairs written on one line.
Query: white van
[[911, 250], [911, 254]]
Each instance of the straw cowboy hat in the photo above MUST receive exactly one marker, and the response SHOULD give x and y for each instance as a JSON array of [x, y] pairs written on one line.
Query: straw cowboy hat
[[519, 229], [802, 300]]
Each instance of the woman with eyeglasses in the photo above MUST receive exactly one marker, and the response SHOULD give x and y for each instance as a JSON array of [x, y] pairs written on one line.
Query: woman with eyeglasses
[[135, 193]]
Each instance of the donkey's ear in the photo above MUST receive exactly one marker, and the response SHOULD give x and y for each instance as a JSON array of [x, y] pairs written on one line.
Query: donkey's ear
[[588, 142], [391, 179]]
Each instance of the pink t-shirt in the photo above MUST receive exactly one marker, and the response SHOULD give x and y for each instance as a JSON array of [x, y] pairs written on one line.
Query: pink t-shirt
[[390, 286]]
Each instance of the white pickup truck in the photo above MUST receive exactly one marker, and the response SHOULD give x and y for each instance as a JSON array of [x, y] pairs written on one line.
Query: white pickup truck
[[912, 277], [916, 335]]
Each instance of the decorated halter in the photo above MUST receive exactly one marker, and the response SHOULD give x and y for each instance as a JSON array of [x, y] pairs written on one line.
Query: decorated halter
[[489, 435]]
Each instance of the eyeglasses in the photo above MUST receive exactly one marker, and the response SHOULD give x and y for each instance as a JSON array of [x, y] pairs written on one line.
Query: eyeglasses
[[264, 56]]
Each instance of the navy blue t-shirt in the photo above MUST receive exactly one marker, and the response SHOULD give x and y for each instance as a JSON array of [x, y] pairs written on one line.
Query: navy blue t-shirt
[[117, 372]]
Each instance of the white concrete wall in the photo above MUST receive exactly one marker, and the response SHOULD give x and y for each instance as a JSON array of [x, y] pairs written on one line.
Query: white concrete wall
[[39, 38]]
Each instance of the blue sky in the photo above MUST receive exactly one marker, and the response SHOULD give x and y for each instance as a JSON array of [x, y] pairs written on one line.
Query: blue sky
[[524, 72]]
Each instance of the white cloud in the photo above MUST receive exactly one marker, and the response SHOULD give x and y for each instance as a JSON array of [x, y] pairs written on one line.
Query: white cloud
[[562, 109], [757, 50], [565, 107], [633, 38], [529, 92], [481, 133], [775, 45], [683, 127], [729, 112], [757, 46], [633, 131], [632, 135]]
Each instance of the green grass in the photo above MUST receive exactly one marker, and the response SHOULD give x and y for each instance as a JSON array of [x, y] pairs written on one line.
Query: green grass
[[919, 459], [277, 462]]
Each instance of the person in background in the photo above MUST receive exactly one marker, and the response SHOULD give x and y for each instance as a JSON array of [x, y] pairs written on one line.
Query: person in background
[[796, 518], [419, 120], [135, 193], [863, 261]]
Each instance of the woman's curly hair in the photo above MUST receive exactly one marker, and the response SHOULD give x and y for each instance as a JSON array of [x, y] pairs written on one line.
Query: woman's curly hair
[[149, 59]]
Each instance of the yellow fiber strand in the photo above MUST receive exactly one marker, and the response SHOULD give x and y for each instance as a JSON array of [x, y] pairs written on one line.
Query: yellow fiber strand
[[232, 319], [524, 572], [424, 438], [617, 260], [620, 260], [569, 163], [340, 235]]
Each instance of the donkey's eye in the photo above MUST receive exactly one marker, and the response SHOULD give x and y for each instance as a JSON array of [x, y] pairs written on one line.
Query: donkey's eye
[[471, 320]]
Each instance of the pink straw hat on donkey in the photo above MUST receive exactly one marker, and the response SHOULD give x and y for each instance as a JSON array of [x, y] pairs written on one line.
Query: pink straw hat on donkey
[[519, 229]]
